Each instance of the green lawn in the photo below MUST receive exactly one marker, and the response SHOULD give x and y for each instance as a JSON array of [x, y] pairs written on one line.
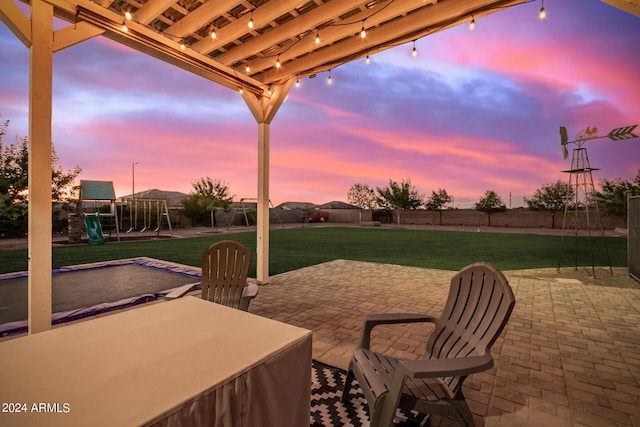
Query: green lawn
[[297, 248]]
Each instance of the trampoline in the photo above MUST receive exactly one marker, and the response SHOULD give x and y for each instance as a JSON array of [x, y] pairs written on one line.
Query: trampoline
[[90, 289]]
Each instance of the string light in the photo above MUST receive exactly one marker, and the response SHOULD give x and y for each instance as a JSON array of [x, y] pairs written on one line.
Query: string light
[[414, 52], [317, 37], [278, 62], [542, 15], [127, 17], [329, 79], [472, 24], [250, 24], [363, 33]]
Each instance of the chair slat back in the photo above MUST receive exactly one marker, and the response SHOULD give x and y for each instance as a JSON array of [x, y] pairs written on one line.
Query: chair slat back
[[478, 307], [225, 266]]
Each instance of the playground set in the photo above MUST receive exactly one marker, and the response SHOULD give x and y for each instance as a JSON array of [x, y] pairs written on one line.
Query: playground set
[[103, 213]]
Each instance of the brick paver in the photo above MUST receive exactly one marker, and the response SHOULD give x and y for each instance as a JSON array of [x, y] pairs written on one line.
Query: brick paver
[[569, 356]]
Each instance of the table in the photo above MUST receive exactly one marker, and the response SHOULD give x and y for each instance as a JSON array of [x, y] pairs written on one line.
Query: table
[[185, 362]]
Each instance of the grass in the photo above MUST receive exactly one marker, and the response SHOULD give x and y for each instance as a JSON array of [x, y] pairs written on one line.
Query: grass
[[297, 248]]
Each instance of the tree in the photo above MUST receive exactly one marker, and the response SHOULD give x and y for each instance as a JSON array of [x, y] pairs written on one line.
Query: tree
[[438, 200], [399, 196], [613, 194], [207, 194], [362, 196], [552, 197], [489, 203], [14, 180]]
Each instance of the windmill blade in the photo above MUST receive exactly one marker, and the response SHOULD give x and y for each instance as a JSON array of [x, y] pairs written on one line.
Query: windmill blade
[[622, 133], [564, 140]]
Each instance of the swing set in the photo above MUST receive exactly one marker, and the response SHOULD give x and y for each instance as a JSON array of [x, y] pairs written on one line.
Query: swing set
[[98, 206], [145, 215]]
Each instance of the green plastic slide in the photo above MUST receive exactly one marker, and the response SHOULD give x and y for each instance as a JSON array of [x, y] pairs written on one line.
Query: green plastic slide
[[94, 229]]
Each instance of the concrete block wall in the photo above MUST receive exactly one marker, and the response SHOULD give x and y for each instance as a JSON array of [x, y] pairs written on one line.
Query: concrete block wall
[[516, 218]]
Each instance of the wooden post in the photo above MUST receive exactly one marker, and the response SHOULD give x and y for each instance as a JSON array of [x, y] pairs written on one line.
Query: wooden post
[[262, 265], [264, 109], [40, 99]]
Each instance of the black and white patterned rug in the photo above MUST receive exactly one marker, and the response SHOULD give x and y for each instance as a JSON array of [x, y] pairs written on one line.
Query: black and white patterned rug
[[327, 410]]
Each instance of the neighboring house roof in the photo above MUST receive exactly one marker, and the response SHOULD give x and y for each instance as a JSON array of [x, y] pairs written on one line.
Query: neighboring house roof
[[246, 205], [297, 205], [336, 204], [173, 198]]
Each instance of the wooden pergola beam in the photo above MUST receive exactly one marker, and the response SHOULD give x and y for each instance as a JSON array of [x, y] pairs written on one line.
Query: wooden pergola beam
[[15, 20], [200, 17], [414, 26], [321, 14], [151, 10], [261, 16]]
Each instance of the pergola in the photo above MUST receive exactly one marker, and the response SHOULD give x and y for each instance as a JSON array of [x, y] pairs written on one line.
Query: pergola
[[257, 47]]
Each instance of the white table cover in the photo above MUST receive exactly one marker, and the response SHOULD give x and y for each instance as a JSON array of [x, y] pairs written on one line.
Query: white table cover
[[186, 362]]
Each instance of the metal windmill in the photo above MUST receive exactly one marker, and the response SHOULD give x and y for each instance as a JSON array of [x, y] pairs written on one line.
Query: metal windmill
[[581, 207]]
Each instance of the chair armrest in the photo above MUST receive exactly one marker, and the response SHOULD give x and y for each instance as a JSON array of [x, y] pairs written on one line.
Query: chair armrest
[[373, 320], [181, 291], [438, 368], [250, 291]]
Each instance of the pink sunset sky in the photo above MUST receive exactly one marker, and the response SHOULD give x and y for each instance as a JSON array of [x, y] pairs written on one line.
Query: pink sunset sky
[[474, 111]]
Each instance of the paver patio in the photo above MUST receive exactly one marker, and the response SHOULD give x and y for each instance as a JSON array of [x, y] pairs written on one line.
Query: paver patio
[[569, 356]]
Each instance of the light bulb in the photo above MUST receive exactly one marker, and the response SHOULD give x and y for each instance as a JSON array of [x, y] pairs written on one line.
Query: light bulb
[[414, 52], [297, 83], [278, 62], [329, 79], [250, 24], [127, 15], [472, 24], [182, 46], [247, 69], [240, 90], [363, 33], [367, 60], [213, 34], [317, 38], [124, 27], [543, 14]]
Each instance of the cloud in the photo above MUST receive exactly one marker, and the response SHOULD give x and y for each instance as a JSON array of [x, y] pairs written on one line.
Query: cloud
[[474, 111]]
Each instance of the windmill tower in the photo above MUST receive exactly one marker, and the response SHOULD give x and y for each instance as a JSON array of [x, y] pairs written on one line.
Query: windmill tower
[[581, 211]]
